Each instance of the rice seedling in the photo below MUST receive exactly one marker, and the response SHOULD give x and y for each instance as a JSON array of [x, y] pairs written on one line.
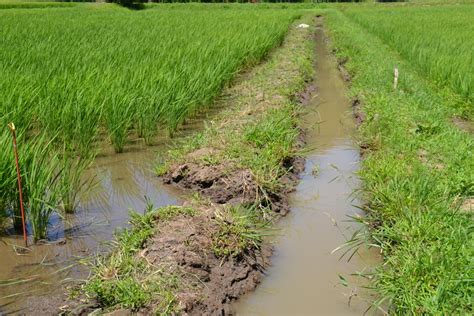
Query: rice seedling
[[41, 177], [71, 181]]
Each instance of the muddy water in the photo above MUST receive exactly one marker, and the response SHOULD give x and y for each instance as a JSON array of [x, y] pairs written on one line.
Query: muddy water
[[124, 181], [304, 278]]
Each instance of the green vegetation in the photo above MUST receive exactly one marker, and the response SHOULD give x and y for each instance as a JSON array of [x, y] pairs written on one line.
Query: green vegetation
[[144, 69], [240, 230], [437, 40], [418, 168], [34, 5], [124, 279], [76, 77], [256, 132]]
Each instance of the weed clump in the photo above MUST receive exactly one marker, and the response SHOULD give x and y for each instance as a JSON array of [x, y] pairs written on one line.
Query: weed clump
[[240, 230]]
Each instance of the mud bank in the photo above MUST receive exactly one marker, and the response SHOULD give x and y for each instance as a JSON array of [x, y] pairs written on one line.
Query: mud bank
[[237, 175]]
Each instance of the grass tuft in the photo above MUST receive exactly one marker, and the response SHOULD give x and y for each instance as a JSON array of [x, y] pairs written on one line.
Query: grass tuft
[[240, 230]]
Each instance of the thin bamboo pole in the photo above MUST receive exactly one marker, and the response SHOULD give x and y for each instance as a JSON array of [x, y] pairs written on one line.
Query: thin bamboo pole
[[11, 126]]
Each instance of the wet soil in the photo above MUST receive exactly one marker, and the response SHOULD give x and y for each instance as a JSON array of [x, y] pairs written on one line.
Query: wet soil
[[209, 283], [304, 276], [223, 184], [124, 181]]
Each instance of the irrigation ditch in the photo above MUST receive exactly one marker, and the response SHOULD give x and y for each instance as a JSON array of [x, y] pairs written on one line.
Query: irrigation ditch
[[211, 263]]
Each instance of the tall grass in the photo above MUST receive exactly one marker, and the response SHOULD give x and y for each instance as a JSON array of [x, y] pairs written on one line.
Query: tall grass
[[438, 41], [417, 170], [77, 77]]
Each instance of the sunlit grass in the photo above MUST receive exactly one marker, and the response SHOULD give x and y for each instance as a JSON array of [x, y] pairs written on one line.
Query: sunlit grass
[[417, 166], [437, 40]]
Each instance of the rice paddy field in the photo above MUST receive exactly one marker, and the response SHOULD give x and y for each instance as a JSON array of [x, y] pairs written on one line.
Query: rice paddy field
[[82, 80], [76, 79], [436, 40]]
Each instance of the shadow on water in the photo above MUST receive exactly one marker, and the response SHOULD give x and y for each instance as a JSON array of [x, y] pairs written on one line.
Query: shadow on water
[[304, 278]]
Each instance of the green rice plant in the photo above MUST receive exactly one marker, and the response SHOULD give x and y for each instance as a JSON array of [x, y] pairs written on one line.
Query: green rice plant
[[75, 125], [8, 182], [146, 66], [40, 167], [426, 37], [71, 180], [118, 117], [74, 77], [147, 118]]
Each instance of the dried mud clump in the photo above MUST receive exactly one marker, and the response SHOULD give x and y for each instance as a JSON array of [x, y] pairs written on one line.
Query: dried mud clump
[[223, 184], [186, 244], [215, 182]]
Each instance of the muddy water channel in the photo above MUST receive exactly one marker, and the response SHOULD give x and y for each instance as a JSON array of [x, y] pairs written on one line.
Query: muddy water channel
[[124, 181], [304, 278]]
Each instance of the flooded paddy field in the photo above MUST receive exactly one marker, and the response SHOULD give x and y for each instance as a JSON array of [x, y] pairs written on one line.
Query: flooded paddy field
[[125, 183]]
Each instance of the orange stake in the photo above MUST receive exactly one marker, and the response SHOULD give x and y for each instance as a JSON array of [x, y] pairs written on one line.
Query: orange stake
[[11, 126]]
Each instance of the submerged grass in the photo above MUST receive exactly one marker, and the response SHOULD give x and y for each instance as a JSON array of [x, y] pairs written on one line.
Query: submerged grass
[[417, 170]]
